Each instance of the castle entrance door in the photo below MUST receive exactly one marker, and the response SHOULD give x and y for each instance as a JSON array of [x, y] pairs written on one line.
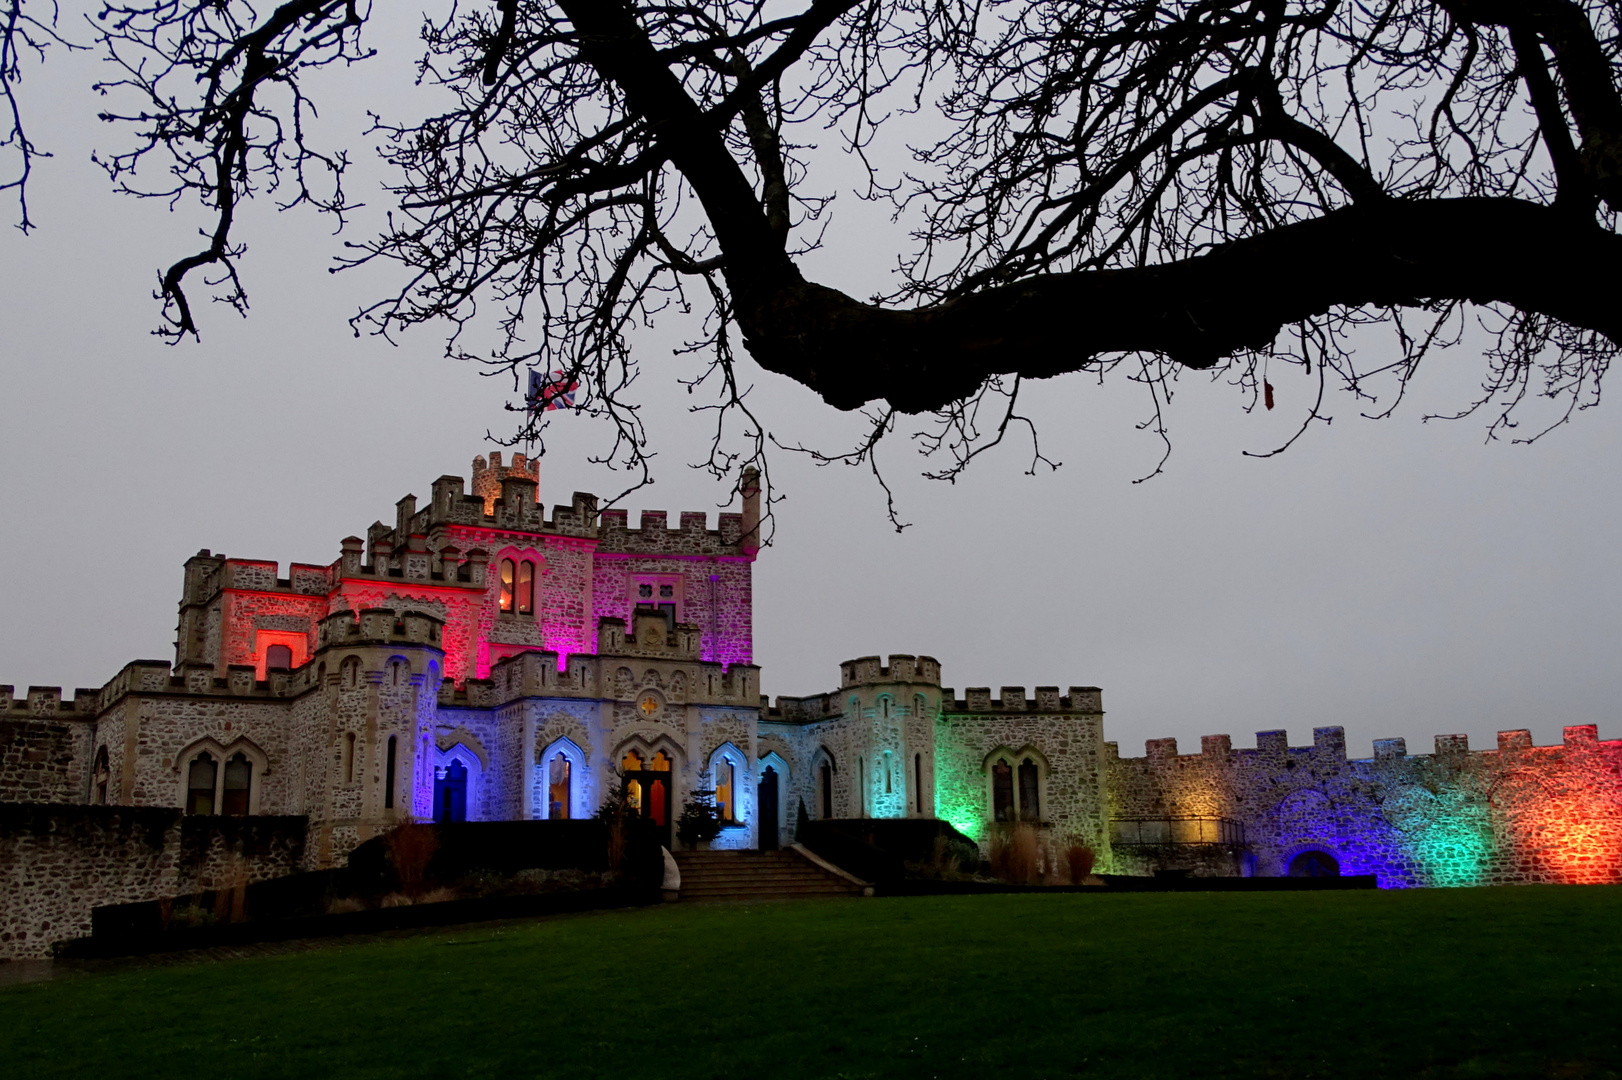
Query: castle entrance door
[[769, 814], [650, 795]]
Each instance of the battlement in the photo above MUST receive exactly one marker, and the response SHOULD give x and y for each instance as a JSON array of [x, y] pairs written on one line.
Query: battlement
[[802, 710], [902, 668], [1330, 743], [651, 636], [208, 574], [379, 626], [535, 673], [1012, 699], [654, 536], [47, 703]]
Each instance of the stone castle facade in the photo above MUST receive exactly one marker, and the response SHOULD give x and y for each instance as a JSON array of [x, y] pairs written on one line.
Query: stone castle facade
[[480, 660]]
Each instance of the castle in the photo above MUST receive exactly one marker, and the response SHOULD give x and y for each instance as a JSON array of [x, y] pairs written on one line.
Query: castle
[[478, 660]]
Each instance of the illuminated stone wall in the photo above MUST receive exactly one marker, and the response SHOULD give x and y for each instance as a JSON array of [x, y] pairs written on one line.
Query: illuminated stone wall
[[1514, 814]]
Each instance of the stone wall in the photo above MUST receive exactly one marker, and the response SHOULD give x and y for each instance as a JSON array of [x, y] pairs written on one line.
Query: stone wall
[[42, 762], [59, 862], [1512, 815]]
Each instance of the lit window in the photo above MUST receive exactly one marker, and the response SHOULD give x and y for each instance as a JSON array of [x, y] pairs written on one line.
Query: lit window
[[558, 789], [508, 573], [725, 777], [200, 784], [631, 762], [238, 780], [660, 763], [526, 588]]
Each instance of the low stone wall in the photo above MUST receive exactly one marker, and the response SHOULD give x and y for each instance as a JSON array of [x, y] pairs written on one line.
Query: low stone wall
[[57, 862]]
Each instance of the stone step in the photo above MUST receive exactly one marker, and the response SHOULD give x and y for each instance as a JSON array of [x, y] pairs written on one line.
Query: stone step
[[747, 875]]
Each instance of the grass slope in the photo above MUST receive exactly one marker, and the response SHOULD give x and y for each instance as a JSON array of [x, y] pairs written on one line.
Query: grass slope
[[1455, 983]]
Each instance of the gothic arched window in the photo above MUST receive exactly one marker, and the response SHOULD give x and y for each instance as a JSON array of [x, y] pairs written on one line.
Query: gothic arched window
[[200, 777], [557, 797], [509, 574], [526, 588], [726, 789], [1002, 791], [1030, 802], [238, 783]]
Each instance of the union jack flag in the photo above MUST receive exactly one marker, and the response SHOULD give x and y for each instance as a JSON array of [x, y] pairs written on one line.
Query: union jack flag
[[548, 393]]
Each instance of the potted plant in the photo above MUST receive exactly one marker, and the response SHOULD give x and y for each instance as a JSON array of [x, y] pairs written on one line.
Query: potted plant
[[700, 820]]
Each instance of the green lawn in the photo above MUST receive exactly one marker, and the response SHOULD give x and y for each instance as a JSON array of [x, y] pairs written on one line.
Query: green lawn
[[1442, 983]]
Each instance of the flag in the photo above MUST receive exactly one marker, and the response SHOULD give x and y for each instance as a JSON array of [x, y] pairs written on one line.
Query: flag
[[550, 393]]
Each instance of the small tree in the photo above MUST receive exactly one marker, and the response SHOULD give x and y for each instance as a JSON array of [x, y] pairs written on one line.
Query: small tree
[[700, 820], [617, 813]]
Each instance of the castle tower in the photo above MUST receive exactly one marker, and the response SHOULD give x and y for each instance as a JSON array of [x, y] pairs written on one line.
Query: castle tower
[[487, 477]]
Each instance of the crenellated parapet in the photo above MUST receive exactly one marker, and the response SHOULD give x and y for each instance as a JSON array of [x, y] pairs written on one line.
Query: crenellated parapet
[[902, 668], [47, 703], [1087, 700], [379, 626], [653, 536], [650, 636]]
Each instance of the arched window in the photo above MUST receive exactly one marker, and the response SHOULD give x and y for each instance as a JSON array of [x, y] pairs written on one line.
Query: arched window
[[278, 658], [726, 789], [557, 790], [1030, 803], [517, 587], [825, 774], [388, 774], [631, 762], [200, 779], [526, 588], [450, 793], [238, 784], [1002, 791], [660, 763], [889, 761], [770, 812], [509, 573], [1314, 864], [103, 777]]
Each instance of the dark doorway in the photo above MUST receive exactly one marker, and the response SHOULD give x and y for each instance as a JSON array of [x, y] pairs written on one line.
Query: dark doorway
[[827, 775], [769, 816], [649, 791], [450, 793], [1314, 864]]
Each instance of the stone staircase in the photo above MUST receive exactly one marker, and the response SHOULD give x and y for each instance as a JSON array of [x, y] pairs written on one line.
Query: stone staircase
[[790, 874]]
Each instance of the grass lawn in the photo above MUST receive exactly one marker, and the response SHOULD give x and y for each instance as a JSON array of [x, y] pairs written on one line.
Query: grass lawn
[[1441, 983]]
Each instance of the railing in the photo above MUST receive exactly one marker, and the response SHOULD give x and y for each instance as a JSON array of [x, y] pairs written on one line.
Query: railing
[[1176, 830]]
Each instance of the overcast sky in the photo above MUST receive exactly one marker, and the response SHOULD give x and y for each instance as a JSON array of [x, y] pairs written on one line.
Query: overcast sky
[[1396, 577]]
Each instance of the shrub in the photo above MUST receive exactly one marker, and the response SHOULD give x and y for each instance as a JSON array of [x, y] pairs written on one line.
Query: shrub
[[410, 846], [1014, 853]]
